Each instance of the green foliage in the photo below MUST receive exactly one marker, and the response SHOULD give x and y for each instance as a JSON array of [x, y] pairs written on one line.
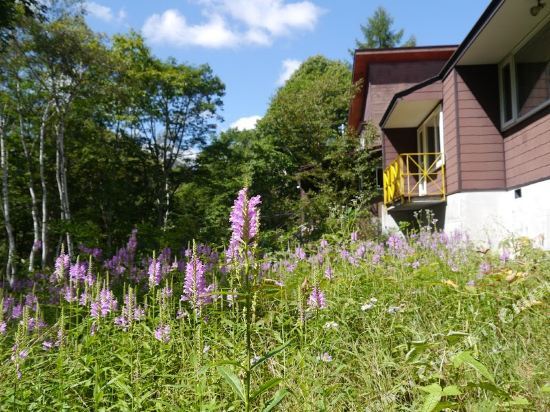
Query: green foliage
[[445, 347], [378, 33]]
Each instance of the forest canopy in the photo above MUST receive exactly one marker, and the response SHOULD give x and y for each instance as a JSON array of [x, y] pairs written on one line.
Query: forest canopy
[[100, 136]]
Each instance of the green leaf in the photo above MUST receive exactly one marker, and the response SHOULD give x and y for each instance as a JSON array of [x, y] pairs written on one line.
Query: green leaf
[[467, 358], [545, 388], [431, 401], [516, 401], [229, 362], [455, 336], [233, 381], [265, 387], [433, 388], [270, 354], [418, 347], [279, 396], [451, 391], [446, 405], [489, 387]]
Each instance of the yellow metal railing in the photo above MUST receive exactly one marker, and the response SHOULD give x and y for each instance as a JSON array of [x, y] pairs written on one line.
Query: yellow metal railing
[[413, 175]]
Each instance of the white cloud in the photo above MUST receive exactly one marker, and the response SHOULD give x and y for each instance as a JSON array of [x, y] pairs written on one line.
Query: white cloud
[[98, 11], [245, 123], [171, 27], [288, 69], [233, 22], [104, 13]]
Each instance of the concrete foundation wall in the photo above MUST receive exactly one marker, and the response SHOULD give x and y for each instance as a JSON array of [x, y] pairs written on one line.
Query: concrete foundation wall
[[489, 217]]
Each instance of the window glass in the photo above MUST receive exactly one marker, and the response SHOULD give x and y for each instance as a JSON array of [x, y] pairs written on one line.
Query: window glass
[[507, 92], [533, 72]]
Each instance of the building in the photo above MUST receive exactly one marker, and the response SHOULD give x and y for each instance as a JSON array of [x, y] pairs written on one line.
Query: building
[[465, 130]]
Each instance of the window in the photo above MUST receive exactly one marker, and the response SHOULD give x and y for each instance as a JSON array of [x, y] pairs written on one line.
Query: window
[[524, 79], [430, 140]]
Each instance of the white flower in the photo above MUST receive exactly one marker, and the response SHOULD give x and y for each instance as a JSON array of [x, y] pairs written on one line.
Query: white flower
[[330, 325], [373, 300], [394, 309], [367, 306], [325, 357]]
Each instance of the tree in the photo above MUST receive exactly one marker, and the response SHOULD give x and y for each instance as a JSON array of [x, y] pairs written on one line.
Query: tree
[[378, 33], [12, 10], [173, 111], [304, 125]]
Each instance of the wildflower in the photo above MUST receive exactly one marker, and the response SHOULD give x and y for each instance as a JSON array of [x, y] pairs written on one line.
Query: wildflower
[[323, 244], [166, 293], [47, 345], [3, 327], [279, 283], [416, 264], [484, 268], [373, 300], [206, 349], [471, 283], [17, 311], [324, 357], [62, 265], [182, 314], [354, 236], [367, 306], [104, 304], [68, 294], [505, 255], [330, 325], [316, 299], [155, 273], [162, 333], [290, 267], [194, 288], [78, 272], [361, 250], [33, 324], [255, 359], [245, 222], [299, 253], [394, 309], [31, 301]]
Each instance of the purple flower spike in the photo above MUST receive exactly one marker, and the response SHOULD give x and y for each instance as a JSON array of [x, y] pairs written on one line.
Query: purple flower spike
[[245, 222], [155, 273], [317, 299], [162, 333], [194, 288]]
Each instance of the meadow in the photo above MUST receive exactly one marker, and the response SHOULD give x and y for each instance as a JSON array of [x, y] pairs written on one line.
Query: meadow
[[422, 322]]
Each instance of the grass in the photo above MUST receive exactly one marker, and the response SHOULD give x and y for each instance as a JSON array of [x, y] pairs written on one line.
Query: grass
[[404, 329]]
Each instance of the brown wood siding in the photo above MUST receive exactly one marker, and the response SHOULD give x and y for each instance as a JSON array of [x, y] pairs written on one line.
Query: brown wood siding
[[450, 135], [481, 147], [386, 79], [527, 150]]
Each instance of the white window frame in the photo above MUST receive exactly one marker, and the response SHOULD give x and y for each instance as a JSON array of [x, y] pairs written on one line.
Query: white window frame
[[513, 91], [510, 59], [422, 135], [422, 144]]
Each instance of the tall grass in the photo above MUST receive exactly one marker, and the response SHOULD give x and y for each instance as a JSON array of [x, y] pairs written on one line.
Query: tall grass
[[418, 323]]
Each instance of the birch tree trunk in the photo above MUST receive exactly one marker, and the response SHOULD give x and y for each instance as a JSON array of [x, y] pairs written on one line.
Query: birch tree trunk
[[61, 176], [44, 226], [30, 184], [10, 267]]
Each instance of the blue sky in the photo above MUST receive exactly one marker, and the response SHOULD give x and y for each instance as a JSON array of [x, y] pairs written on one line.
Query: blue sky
[[253, 45]]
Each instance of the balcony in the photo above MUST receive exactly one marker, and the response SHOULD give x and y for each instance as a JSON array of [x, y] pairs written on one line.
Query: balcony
[[415, 180]]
